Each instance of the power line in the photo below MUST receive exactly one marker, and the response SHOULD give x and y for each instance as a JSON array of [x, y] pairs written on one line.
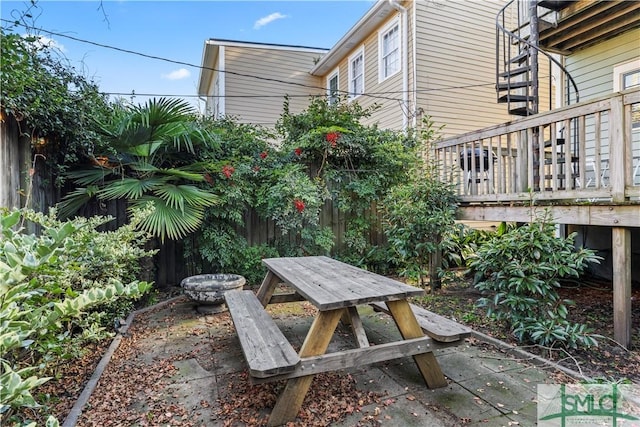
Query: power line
[[378, 95], [208, 96], [439, 89], [159, 58]]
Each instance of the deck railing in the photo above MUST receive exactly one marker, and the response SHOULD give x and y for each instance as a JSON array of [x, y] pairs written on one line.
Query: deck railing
[[585, 152]]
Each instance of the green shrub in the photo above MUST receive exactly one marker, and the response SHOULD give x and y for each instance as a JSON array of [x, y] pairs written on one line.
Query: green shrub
[[521, 270], [222, 250], [461, 242], [48, 283], [325, 154], [417, 216]]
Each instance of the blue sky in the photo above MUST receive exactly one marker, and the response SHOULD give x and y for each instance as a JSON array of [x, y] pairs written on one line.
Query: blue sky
[[177, 31]]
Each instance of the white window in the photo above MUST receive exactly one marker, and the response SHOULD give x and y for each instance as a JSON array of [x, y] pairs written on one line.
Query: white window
[[626, 76], [332, 88], [389, 50], [631, 79], [356, 74]]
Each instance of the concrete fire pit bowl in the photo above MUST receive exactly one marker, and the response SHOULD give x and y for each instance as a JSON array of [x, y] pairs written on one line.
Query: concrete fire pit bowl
[[208, 290]]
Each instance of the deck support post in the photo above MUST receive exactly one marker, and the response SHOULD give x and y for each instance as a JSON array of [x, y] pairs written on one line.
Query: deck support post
[[621, 244]]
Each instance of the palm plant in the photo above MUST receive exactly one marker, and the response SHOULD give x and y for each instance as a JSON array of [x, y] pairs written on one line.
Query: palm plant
[[150, 158]]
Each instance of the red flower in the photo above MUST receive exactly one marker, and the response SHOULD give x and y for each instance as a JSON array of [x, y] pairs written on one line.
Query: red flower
[[299, 204], [263, 154], [228, 171], [208, 178], [332, 138], [298, 151]]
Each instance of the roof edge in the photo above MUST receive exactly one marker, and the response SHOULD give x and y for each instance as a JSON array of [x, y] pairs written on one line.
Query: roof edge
[[374, 16], [261, 45]]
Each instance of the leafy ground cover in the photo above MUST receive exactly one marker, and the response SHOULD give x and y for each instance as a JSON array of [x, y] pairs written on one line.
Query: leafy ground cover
[[594, 307]]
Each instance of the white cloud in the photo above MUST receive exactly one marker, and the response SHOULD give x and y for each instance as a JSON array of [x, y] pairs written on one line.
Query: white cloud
[[42, 41], [268, 19], [179, 74]]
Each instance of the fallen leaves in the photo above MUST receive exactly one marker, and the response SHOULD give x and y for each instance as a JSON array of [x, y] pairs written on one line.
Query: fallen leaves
[[331, 398], [594, 307], [125, 382]]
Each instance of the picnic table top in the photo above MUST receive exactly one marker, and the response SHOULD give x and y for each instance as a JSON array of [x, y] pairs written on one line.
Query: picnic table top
[[330, 284]]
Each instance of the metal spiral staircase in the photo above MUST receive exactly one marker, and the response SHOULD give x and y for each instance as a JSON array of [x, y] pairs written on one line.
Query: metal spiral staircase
[[518, 25]]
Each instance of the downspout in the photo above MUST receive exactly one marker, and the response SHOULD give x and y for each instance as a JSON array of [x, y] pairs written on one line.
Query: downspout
[[222, 69], [405, 63], [414, 69]]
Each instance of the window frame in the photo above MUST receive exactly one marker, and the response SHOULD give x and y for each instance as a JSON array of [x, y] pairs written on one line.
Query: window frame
[[333, 98], [619, 73], [391, 26], [620, 70], [353, 94]]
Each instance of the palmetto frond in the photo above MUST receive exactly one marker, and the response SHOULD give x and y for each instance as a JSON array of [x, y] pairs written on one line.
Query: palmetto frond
[[144, 167], [91, 176], [156, 145], [179, 196], [146, 149], [155, 127], [183, 174], [158, 111], [75, 200], [129, 188], [167, 221]]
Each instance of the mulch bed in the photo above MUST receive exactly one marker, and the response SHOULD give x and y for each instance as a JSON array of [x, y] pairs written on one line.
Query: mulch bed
[[593, 306]]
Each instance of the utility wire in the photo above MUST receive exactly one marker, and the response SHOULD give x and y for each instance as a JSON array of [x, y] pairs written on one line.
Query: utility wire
[[159, 58], [439, 89], [379, 95]]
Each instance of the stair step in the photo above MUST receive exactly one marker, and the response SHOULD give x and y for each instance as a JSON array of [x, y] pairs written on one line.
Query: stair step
[[515, 98], [521, 111], [520, 58], [513, 85], [559, 141], [556, 5], [515, 72]]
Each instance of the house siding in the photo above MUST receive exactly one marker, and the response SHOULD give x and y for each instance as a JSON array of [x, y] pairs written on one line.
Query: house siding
[[455, 58], [389, 114], [273, 66], [592, 68]]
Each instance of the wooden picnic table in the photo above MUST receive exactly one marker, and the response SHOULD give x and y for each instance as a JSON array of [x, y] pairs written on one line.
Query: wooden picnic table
[[336, 289]]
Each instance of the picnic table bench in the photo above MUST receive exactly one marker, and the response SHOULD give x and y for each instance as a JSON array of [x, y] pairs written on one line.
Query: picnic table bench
[[265, 347], [335, 289]]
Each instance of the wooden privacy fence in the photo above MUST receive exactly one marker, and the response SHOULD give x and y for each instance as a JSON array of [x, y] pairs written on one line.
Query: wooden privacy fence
[[25, 180], [171, 265]]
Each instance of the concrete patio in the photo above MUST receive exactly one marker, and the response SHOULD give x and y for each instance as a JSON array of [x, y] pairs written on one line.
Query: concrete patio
[[487, 386]]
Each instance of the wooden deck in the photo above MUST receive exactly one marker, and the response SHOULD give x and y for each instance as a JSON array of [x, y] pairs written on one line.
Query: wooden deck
[[581, 162]]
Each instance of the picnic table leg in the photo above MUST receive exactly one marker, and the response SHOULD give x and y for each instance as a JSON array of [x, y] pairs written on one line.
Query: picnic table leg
[[409, 328], [356, 326], [267, 288], [316, 343]]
